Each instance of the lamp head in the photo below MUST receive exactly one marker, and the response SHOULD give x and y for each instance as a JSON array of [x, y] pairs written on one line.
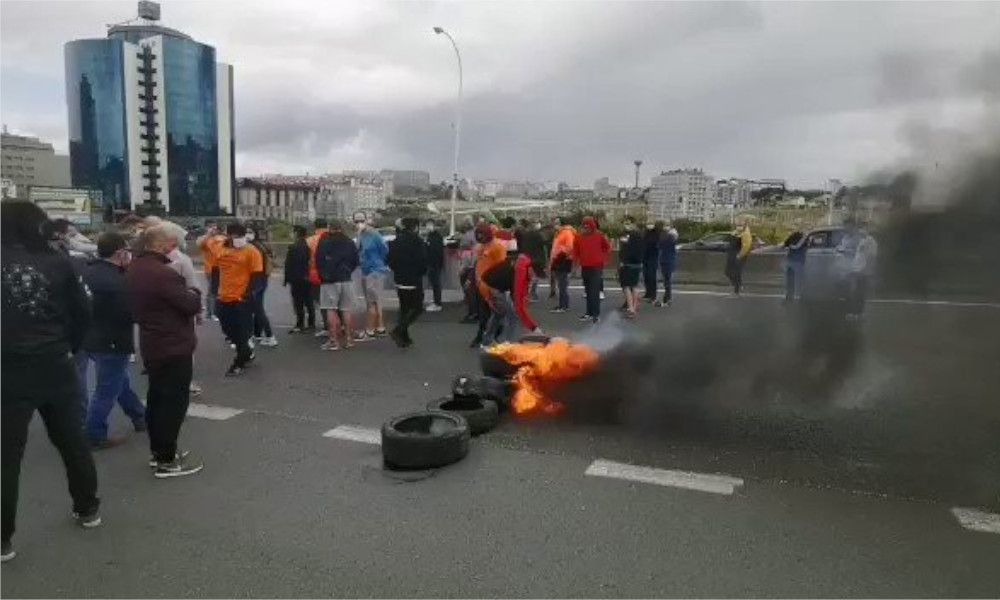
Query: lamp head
[[438, 30]]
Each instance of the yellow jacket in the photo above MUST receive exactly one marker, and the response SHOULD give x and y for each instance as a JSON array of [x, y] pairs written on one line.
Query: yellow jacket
[[746, 243]]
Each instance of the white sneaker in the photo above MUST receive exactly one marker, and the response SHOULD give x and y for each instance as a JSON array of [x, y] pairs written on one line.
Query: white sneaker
[[601, 296], [215, 318], [269, 342], [434, 308], [321, 333], [250, 343]]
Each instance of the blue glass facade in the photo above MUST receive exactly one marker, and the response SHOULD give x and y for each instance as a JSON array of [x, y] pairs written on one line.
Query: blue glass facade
[[191, 126], [95, 94]]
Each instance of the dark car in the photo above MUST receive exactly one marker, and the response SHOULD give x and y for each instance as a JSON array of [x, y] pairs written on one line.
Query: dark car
[[715, 242]]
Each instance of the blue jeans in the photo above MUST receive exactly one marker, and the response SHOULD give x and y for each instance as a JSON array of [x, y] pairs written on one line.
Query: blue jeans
[[502, 326], [112, 386]]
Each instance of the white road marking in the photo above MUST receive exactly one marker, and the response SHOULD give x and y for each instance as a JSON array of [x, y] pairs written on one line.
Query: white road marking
[[977, 520], [215, 413], [702, 482], [352, 433]]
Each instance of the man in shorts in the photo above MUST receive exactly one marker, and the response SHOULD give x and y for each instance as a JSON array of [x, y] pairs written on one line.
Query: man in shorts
[[336, 259], [373, 253]]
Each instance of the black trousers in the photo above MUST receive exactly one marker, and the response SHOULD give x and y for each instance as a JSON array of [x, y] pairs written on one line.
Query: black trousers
[[467, 280], [668, 281], [857, 293], [593, 283], [649, 279], [434, 277], [235, 320], [485, 313], [48, 385], [562, 284], [302, 303], [734, 271], [167, 404], [411, 306]]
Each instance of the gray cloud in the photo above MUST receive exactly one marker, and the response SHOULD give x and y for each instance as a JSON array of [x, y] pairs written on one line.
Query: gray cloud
[[568, 91]]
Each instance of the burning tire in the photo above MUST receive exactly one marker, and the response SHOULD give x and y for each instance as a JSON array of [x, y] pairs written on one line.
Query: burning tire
[[535, 338], [482, 386], [424, 440], [494, 366], [482, 415]]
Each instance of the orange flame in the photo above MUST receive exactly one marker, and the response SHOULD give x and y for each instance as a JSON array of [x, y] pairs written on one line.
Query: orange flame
[[541, 369]]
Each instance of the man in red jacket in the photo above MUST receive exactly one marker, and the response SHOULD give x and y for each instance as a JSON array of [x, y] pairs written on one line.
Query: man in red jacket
[[164, 307], [592, 249]]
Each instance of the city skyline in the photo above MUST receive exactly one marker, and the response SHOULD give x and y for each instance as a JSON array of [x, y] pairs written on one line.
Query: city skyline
[[801, 91]]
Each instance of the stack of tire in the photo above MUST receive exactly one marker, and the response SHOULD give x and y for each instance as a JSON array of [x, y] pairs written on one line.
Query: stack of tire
[[439, 435]]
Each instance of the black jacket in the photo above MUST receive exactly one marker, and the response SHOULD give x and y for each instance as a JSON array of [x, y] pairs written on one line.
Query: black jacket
[[297, 262], [651, 246], [111, 326], [533, 244], [46, 311], [336, 258], [435, 250], [632, 250], [408, 259], [500, 277]]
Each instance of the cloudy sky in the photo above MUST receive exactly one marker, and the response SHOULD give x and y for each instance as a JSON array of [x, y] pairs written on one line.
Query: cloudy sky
[[566, 91]]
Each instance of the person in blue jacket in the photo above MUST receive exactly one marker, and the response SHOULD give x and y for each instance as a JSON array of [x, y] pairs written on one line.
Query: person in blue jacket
[[668, 261]]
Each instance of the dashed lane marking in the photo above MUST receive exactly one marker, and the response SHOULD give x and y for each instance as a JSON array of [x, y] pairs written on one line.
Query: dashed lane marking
[[352, 433], [215, 413], [977, 520], [702, 482]]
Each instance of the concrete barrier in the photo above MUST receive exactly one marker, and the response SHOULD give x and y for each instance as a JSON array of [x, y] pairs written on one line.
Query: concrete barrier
[[761, 271]]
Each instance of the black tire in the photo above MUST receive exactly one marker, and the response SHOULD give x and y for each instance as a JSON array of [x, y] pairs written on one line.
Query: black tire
[[494, 366], [481, 414], [481, 386], [424, 440], [535, 338]]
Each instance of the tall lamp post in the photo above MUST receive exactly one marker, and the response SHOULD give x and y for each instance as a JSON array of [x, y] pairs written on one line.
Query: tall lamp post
[[458, 126]]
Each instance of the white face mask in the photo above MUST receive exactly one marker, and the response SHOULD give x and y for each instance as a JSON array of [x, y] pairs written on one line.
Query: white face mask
[[251, 236], [239, 242]]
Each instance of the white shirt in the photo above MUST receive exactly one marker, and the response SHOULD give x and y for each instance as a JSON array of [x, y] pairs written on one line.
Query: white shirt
[[181, 263]]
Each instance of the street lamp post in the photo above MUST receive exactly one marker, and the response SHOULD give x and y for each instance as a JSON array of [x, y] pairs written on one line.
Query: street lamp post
[[458, 126]]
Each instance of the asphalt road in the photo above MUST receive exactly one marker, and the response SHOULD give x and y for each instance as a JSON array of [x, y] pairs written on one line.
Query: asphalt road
[[848, 484]]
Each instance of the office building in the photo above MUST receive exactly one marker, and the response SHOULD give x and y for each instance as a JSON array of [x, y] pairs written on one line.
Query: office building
[[733, 193], [26, 162], [682, 194], [291, 199], [604, 189], [417, 180], [151, 119]]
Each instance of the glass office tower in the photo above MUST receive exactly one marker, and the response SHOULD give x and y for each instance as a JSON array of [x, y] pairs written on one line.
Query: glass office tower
[[150, 120]]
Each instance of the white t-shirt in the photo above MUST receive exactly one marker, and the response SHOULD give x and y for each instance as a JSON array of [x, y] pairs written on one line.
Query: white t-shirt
[[181, 263]]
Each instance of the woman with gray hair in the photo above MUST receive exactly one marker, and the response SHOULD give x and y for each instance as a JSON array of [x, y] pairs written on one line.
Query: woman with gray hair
[[179, 262]]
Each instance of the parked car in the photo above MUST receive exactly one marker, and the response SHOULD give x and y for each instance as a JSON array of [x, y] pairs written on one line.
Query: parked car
[[716, 242]]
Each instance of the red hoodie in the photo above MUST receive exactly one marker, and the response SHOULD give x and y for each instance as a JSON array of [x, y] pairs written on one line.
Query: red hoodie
[[591, 246]]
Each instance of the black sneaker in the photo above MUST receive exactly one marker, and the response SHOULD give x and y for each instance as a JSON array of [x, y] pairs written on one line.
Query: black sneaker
[[398, 338], [179, 467], [8, 551], [586, 318], [88, 521], [381, 332], [180, 455]]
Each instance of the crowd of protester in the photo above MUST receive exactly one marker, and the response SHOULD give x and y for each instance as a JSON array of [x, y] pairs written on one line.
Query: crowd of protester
[[71, 304]]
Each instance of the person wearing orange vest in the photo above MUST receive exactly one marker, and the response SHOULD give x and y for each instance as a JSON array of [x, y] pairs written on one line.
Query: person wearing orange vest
[[561, 261], [312, 242], [240, 268], [489, 253], [214, 235]]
